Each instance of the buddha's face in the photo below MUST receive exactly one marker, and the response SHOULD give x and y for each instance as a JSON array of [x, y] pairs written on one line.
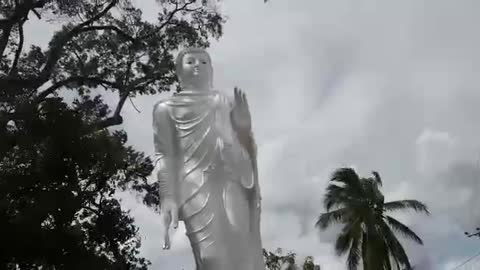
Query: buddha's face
[[196, 70]]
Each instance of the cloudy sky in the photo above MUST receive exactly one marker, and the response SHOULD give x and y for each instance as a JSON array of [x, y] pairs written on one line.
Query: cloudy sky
[[374, 84]]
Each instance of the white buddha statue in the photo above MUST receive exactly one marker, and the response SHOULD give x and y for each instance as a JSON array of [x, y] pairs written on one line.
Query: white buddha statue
[[207, 169]]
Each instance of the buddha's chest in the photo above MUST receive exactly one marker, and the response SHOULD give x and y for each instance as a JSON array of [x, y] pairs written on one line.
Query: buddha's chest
[[205, 119]]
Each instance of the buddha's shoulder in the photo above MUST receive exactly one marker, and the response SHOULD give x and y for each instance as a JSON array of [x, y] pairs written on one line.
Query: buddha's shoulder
[[176, 100], [166, 102], [162, 106]]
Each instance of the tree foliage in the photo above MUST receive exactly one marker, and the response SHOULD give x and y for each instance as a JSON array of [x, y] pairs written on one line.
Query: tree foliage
[[279, 261], [61, 161], [368, 234]]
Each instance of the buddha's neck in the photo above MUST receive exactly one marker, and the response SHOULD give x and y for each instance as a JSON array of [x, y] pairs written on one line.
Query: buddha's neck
[[196, 89]]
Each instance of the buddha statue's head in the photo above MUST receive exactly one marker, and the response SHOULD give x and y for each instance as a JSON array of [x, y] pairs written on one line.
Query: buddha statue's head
[[194, 69]]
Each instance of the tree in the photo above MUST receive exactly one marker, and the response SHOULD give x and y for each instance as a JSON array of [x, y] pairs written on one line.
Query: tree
[[368, 234], [309, 264], [276, 261], [62, 161]]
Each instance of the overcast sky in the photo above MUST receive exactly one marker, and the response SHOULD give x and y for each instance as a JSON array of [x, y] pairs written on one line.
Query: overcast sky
[[378, 85]]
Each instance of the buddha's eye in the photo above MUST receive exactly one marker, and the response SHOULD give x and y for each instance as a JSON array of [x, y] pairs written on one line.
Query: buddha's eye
[[204, 62]]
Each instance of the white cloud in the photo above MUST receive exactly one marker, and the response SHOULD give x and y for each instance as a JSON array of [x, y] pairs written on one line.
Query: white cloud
[[435, 150]]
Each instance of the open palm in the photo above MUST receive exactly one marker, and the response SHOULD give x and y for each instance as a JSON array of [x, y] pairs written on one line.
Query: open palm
[[240, 114]]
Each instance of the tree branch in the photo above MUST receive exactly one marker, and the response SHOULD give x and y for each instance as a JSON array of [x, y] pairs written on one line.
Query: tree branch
[[169, 18], [175, 11], [109, 27], [80, 61], [133, 105], [20, 14], [13, 69], [95, 211], [75, 79], [55, 52], [120, 104], [36, 14], [99, 15], [116, 118], [144, 83], [7, 30]]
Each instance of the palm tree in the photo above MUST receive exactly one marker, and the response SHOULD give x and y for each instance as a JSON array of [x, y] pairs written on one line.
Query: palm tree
[[368, 232]]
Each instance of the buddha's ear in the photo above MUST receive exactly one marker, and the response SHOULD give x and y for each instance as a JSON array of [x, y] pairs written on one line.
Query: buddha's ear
[[179, 73], [179, 64]]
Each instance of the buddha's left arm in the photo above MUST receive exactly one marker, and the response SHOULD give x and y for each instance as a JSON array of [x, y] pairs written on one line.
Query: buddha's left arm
[[247, 141], [249, 144]]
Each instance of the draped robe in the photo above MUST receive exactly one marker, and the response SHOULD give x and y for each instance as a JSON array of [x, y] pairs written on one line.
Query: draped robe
[[210, 176]]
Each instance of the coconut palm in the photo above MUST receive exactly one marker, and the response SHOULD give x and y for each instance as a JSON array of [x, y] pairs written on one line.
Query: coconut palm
[[368, 232]]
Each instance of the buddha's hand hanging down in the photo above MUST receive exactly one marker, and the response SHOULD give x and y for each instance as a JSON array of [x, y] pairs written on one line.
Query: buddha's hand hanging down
[[240, 115], [169, 211]]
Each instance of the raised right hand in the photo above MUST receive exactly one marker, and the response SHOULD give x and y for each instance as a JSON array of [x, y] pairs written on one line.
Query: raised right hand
[[169, 211], [240, 114]]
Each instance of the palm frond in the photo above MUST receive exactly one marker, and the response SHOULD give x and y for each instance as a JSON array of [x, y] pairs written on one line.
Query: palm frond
[[372, 192], [365, 259], [387, 264], [353, 224], [406, 204], [397, 263], [337, 196], [342, 244], [329, 218], [396, 249], [377, 250], [347, 176], [399, 227], [349, 237], [377, 178], [336, 189], [333, 197], [353, 258]]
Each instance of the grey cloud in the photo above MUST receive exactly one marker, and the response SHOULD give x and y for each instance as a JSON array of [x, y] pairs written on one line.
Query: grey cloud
[[340, 83], [462, 183]]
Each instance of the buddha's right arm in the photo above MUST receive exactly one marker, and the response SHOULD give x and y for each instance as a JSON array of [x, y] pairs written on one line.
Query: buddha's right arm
[[166, 157]]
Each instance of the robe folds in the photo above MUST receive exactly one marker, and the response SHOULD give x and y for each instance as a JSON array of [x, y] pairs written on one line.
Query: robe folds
[[207, 172]]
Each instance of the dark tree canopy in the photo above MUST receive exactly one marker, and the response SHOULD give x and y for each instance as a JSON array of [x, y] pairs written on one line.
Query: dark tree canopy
[[61, 161]]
